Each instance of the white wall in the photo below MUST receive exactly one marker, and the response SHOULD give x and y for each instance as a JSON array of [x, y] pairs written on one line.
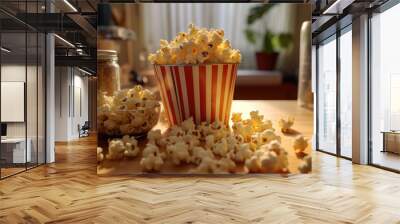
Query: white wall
[[33, 127], [71, 87], [16, 73]]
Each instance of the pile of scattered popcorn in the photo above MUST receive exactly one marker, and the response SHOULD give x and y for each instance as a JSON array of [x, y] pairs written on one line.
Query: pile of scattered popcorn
[[128, 112], [196, 46], [214, 148]]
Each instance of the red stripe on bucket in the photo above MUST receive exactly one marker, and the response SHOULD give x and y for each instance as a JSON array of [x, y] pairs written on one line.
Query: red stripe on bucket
[[190, 89]]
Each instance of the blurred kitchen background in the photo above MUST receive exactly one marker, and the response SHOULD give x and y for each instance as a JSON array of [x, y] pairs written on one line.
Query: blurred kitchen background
[[275, 51]]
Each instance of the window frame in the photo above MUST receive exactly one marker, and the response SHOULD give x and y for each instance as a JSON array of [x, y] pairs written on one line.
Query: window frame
[[378, 10], [343, 26], [31, 30]]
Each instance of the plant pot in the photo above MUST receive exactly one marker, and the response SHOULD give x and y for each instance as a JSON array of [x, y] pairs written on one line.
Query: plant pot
[[266, 61]]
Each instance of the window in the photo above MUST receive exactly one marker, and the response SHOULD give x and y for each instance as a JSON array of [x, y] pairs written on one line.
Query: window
[[385, 89], [346, 93], [327, 96], [334, 106], [22, 77]]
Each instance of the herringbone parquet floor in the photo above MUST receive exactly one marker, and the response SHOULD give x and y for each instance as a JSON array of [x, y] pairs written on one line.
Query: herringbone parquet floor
[[69, 191]]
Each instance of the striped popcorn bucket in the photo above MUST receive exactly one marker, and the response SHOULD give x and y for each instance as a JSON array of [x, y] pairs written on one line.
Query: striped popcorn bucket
[[204, 92]]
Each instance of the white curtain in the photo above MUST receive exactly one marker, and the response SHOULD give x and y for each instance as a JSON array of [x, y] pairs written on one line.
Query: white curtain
[[164, 21]]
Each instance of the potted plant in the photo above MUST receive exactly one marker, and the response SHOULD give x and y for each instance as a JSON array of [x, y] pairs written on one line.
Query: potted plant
[[271, 43]]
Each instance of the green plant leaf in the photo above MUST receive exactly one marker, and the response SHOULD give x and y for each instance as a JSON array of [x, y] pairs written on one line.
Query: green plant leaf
[[258, 12], [267, 46], [281, 41], [251, 36]]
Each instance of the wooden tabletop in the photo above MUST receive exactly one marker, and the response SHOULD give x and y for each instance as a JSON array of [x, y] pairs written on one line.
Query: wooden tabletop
[[272, 110]]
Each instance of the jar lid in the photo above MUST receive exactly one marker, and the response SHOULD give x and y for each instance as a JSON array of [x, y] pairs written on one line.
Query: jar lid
[[107, 55]]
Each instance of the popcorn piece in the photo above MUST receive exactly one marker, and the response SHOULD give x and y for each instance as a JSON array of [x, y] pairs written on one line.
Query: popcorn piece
[[255, 116], [131, 146], [239, 139], [269, 158], [100, 155], [116, 149], [267, 124], [188, 124], [268, 136], [126, 128], [152, 159], [286, 124], [306, 165], [154, 136], [131, 150], [204, 128], [147, 96], [110, 125], [179, 152], [196, 133], [176, 131], [231, 141], [241, 153], [225, 165], [281, 164], [220, 148], [236, 117], [268, 161], [218, 130], [253, 164], [170, 140], [191, 140], [150, 149], [256, 141], [210, 141], [244, 130], [300, 144], [151, 163], [207, 165], [131, 140], [199, 153]]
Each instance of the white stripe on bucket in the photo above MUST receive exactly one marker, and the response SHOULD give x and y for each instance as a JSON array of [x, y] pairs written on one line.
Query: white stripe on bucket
[[172, 89], [218, 96], [208, 91], [196, 86]]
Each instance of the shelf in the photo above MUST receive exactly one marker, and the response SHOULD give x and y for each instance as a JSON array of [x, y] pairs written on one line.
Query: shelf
[[116, 33]]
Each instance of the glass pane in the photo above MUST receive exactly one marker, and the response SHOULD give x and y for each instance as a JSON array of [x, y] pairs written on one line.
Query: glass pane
[[13, 86], [41, 98], [31, 98], [346, 94], [327, 97], [385, 84]]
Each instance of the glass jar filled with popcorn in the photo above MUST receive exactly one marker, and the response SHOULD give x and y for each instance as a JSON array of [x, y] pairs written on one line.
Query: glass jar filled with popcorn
[[108, 71], [196, 72]]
